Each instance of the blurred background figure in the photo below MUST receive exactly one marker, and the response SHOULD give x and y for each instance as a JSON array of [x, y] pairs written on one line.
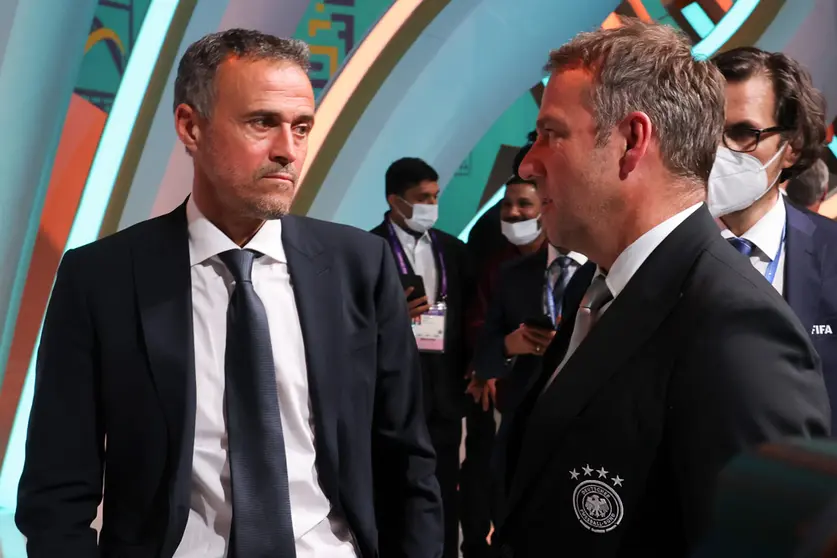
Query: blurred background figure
[[776, 501], [810, 188]]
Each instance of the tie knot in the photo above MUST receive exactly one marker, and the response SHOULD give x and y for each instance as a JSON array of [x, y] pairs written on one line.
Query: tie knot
[[561, 263], [240, 264], [598, 294], [743, 245]]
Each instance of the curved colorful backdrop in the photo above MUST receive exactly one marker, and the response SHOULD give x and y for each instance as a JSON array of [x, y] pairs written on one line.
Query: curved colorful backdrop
[[456, 82]]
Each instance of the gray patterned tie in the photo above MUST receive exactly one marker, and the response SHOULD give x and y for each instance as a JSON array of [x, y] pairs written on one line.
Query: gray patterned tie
[[261, 518], [597, 295]]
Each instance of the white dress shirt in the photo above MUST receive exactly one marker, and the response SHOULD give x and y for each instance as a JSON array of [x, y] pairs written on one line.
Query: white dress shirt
[[766, 236], [626, 266], [419, 252], [318, 532]]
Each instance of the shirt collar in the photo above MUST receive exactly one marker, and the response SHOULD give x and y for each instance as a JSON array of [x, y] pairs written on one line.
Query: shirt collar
[[406, 239], [766, 234], [552, 254], [206, 240], [632, 258]]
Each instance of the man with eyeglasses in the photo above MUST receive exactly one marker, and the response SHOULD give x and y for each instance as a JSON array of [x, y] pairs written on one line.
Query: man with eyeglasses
[[775, 130]]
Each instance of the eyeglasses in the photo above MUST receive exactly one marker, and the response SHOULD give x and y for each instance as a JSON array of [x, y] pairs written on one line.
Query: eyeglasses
[[744, 139]]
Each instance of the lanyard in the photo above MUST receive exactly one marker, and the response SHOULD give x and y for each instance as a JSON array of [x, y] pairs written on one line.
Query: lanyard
[[401, 258], [770, 272]]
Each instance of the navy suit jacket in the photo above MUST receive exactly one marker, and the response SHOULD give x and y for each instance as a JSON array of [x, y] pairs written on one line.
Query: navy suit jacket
[[810, 286], [117, 360]]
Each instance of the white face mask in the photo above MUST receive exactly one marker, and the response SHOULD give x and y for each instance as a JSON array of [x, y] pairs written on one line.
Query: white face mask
[[522, 232], [424, 216], [737, 181]]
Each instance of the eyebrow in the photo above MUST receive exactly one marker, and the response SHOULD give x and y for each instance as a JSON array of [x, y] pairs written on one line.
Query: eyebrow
[[745, 123], [559, 125], [305, 118]]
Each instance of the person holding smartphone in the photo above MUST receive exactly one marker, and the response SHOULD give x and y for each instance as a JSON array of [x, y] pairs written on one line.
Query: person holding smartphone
[[436, 277]]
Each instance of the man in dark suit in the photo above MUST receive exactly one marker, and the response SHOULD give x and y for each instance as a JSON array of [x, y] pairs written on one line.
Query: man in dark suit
[[507, 294], [245, 381], [680, 354], [436, 263], [775, 121]]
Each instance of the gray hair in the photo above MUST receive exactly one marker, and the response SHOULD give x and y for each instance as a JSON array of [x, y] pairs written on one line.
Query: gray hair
[[809, 186], [195, 83], [650, 68]]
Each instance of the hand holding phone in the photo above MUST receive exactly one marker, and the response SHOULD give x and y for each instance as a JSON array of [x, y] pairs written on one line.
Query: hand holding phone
[[529, 339]]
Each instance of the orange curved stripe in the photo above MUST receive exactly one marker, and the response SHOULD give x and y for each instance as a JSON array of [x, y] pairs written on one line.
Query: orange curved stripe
[[80, 136], [103, 34]]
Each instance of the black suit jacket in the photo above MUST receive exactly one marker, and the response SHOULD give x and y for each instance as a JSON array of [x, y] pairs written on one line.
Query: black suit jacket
[[810, 285], [116, 360], [517, 297], [444, 374], [697, 358]]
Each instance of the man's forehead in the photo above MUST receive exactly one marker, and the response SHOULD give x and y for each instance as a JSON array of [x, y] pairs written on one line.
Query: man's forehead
[[566, 91], [752, 98]]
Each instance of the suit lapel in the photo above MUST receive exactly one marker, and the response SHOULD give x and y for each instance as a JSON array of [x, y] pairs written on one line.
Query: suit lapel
[[163, 286], [317, 292], [803, 280], [645, 302]]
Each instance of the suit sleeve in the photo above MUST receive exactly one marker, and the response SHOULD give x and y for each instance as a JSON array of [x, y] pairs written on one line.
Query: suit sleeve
[[61, 485], [408, 503], [754, 377], [490, 354]]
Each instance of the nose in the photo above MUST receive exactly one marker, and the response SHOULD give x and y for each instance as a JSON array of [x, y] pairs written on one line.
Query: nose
[[283, 150], [526, 170]]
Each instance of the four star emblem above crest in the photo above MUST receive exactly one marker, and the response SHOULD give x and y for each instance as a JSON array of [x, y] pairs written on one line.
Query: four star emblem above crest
[[602, 473], [574, 474], [617, 481], [587, 470]]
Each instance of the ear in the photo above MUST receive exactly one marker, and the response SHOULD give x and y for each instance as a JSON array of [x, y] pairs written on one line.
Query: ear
[[391, 200], [187, 125], [635, 132], [790, 156]]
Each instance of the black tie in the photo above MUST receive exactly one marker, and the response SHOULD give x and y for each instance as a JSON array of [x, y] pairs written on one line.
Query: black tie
[[261, 518]]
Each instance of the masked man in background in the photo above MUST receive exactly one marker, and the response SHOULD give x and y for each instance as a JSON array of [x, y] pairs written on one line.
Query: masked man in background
[[437, 279], [774, 131]]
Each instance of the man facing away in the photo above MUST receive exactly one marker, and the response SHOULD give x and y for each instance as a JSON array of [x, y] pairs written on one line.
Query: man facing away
[[254, 373], [774, 131], [680, 353]]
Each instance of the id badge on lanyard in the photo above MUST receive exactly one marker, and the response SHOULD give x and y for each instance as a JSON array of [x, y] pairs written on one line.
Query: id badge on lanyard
[[429, 328]]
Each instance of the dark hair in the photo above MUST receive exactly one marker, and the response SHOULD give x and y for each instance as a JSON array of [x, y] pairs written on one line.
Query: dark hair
[[407, 173], [800, 107], [195, 82], [517, 179], [810, 185]]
